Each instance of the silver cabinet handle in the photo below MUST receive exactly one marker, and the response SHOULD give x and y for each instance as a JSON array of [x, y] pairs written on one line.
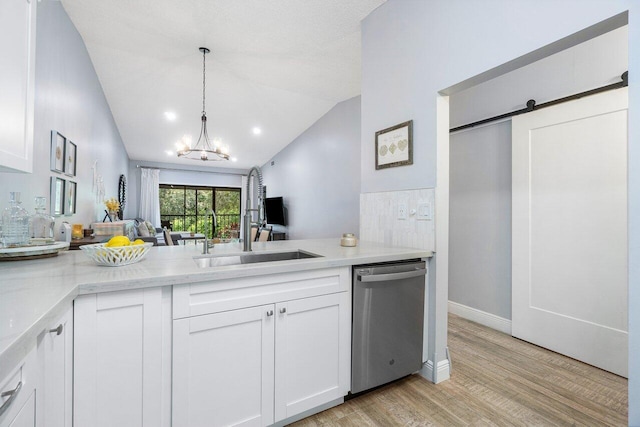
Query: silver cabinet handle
[[270, 313], [12, 395], [57, 330], [283, 310]]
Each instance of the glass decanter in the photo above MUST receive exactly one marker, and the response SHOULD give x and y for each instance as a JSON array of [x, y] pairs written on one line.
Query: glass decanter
[[41, 224], [15, 223]]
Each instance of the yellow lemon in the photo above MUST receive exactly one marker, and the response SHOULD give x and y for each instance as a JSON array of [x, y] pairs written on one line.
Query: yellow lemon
[[138, 242], [118, 241]]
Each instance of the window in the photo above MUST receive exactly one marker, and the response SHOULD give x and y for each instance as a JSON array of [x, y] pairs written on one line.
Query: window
[[187, 208]]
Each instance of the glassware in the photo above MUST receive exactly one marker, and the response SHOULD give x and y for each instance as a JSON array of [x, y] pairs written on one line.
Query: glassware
[[42, 224], [15, 223]]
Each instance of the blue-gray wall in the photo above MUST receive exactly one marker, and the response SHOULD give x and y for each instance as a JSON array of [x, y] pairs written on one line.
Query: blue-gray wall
[[318, 175], [69, 99], [412, 49]]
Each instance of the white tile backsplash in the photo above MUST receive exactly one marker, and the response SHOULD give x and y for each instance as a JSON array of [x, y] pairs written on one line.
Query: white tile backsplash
[[379, 218]]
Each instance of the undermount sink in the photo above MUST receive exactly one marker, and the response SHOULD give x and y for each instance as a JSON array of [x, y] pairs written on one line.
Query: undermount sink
[[251, 258]]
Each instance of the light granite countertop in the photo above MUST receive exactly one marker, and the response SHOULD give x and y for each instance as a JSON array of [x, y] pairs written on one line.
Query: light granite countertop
[[34, 293]]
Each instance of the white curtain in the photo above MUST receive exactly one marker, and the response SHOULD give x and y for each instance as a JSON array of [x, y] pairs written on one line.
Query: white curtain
[[150, 195]]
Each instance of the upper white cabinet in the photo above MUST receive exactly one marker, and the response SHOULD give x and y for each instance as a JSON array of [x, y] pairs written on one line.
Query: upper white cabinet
[[55, 351], [122, 358], [17, 84]]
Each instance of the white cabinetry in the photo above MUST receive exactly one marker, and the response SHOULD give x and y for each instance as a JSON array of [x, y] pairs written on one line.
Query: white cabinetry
[[313, 353], [55, 351], [122, 358], [17, 82], [223, 368], [18, 394], [285, 354]]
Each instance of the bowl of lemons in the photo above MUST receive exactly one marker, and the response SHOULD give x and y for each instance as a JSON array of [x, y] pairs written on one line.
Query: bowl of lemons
[[118, 251]]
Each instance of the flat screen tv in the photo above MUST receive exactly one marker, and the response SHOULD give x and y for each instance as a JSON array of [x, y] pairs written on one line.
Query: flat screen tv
[[274, 210]]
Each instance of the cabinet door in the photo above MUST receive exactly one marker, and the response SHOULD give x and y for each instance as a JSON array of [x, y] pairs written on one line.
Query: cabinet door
[[17, 68], [122, 358], [55, 349], [313, 353], [223, 368]]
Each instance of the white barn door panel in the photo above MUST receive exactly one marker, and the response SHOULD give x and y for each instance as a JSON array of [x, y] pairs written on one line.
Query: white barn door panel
[[569, 253]]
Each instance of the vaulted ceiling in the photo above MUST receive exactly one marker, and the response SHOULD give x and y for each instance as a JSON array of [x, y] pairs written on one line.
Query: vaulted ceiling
[[278, 65]]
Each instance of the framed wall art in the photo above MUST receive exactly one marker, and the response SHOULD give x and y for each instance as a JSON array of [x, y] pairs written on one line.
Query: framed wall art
[[70, 158], [57, 196], [70, 198], [394, 146], [58, 143]]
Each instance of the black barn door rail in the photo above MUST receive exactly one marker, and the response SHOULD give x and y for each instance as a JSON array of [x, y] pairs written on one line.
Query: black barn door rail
[[531, 104]]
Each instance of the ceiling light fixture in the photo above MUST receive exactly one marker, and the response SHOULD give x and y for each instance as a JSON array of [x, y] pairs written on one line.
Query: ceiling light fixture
[[257, 131], [170, 115], [203, 149]]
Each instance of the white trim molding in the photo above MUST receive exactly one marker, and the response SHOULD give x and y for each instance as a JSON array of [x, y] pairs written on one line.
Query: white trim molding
[[438, 375], [482, 317]]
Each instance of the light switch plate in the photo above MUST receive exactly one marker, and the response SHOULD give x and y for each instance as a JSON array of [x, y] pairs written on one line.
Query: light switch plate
[[402, 210], [424, 211]]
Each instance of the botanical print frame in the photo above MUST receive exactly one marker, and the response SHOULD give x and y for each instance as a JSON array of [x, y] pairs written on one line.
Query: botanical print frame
[[57, 196], [70, 158], [394, 146], [70, 198], [58, 143]]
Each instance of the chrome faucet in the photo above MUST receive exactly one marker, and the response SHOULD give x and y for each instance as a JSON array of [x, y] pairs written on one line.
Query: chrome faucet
[[205, 246], [247, 213]]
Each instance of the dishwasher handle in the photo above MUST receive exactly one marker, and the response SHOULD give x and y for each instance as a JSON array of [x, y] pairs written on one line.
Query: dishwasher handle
[[392, 276]]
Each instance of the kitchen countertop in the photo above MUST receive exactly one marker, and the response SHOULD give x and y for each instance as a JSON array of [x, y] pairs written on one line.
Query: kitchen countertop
[[34, 293]]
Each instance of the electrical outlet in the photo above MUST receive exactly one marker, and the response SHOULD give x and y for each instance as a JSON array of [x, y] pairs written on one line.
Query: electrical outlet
[[402, 211], [424, 211]]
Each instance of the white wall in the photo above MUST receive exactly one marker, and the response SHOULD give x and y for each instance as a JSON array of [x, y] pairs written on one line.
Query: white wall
[[69, 99], [318, 175], [412, 49], [480, 163]]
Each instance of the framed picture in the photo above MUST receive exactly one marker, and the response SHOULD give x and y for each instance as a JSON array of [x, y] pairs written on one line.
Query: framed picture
[[394, 146], [58, 143], [70, 158], [70, 198], [57, 196]]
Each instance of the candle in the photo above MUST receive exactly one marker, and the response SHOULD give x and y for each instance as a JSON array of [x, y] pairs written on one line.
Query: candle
[[77, 231]]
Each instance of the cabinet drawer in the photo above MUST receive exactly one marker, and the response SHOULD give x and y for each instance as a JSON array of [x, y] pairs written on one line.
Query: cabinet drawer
[[223, 295], [20, 387]]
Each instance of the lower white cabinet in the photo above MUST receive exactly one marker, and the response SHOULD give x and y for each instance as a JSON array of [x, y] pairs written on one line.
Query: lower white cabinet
[[18, 394], [260, 365], [122, 358], [55, 353]]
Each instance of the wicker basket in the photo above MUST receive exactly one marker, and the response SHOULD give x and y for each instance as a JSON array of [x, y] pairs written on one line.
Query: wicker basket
[[117, 255]]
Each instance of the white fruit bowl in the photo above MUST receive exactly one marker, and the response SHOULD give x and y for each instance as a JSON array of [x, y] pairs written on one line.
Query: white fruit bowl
[[116, 256]]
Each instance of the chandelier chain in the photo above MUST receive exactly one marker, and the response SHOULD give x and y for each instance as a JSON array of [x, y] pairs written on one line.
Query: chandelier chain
[[204, 74]]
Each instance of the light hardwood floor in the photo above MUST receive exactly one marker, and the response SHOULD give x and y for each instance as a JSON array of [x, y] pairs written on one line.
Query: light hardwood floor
[[496, 380]]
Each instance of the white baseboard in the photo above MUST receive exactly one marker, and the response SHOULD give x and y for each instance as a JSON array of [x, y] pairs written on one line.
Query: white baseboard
[[487, 319]]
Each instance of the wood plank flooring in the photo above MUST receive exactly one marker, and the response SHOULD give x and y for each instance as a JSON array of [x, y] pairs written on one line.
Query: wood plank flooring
[[496, 380]]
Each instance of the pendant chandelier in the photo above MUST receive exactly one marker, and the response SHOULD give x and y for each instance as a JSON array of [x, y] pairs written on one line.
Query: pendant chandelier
[[203, 150]]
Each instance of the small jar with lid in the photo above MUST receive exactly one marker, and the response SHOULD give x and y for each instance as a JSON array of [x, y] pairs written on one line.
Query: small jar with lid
[[15, 223], [42, 224]]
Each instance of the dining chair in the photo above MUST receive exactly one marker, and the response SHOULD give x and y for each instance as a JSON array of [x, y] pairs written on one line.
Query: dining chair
[[265, 233], [254, 232], [167, 237]]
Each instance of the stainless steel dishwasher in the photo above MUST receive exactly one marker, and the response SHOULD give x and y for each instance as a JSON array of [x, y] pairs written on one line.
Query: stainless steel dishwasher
[[388, 319]]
